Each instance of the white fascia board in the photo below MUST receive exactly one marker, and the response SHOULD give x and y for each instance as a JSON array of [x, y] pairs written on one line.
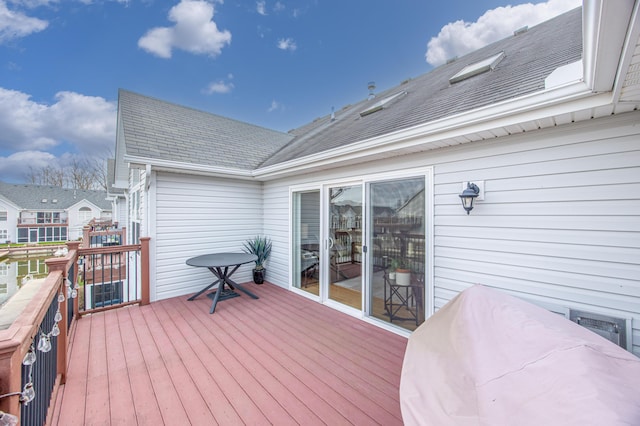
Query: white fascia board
[[189, 168], [605, 26], [567, 98], [9, 202], [628, 51]]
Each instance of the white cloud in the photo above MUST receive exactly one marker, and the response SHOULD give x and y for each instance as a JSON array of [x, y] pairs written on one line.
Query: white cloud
[[219, 87], [458, 38], [194, 31], [85, 122], [15, 24], [287, 44], [261, 7], [16, 166], [275, 106], [279, 6], [32, 3]]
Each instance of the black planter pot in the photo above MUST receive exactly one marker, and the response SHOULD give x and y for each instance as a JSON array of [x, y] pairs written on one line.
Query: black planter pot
[[258, 275]]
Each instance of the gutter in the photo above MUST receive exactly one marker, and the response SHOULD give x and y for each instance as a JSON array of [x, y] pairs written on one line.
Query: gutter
[[187, 168], [566, 98], [604, 29], [610, 27]]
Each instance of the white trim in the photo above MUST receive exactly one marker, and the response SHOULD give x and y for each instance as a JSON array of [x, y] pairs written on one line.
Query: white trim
[[150, 189], [427, 172], [605, 26], [628, 52], [188, 168], [564, 99]]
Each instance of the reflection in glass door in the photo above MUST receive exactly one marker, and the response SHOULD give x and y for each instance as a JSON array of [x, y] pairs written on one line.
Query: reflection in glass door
[[306, 241], [396, 236], [345, 245]]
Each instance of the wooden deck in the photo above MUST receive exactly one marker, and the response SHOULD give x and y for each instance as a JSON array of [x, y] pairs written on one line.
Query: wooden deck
[[278, 360]]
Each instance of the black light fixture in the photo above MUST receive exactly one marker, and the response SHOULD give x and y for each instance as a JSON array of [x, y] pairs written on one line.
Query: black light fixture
[[469, 195]]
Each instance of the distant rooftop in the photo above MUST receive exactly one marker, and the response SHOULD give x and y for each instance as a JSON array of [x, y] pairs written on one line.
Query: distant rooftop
[[45, 197]]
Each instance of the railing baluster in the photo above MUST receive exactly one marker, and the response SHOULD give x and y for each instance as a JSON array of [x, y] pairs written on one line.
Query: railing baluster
[[42, 374]]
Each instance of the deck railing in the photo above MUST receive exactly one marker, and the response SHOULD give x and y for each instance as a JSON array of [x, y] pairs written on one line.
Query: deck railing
[[33, 350], [111, 277]]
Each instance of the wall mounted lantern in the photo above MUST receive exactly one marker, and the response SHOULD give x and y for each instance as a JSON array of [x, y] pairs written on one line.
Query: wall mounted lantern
[[469, 195]]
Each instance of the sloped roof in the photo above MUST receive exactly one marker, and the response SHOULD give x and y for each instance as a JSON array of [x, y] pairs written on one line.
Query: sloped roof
[[529, 58], [159, 130], [111, 178], [164, 131], [31, 197]]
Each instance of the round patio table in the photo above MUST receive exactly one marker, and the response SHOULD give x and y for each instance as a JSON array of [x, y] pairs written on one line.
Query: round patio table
[[219, 265]]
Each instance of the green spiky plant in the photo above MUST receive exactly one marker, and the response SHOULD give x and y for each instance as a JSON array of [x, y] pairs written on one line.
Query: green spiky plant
[[261, 247]]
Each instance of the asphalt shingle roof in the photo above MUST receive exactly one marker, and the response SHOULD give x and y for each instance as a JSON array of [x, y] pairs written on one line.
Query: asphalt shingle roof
[[30, 197], [530, 58], [161, 130]]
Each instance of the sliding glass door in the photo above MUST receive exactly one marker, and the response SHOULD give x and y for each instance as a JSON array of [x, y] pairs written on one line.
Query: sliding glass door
[[362, 246], [344, 226], [306, 241], [397, 240]]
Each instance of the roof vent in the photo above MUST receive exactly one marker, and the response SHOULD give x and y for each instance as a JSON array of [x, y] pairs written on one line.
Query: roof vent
[[44, 200], [521, 30], [382, 103], [371, 86], [452, 60], [477, 68], [54, 201]]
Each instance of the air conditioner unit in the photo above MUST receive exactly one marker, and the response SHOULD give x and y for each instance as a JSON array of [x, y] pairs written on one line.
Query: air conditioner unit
[[104, 294], [611, 328]]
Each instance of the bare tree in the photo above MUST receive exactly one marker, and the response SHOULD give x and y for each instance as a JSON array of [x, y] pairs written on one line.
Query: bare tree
[[80, 174], [47, 175]]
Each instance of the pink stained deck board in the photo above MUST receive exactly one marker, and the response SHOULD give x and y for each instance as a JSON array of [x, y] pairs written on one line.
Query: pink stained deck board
[[281, 359]]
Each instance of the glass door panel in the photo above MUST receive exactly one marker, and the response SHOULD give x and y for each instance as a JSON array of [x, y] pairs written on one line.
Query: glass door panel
[[397, 251], [345, 245], [306, 241]]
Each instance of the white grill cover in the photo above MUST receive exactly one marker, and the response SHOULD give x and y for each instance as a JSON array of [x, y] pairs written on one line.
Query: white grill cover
[[487, 358]]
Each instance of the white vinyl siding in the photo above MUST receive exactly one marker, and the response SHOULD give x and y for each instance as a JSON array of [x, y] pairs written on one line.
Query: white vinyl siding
[[200, 215], [559, 224]]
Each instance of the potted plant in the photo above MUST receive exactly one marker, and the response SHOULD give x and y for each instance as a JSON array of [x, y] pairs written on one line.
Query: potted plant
[[261, 247], [393, 265], [403, 273]]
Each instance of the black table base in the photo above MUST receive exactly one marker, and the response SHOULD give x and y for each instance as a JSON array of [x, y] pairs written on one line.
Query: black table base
[[222, 293], [226, 294]]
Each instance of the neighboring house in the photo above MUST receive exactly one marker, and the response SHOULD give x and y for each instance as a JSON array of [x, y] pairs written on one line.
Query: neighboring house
[[39, 213], [545, 122]]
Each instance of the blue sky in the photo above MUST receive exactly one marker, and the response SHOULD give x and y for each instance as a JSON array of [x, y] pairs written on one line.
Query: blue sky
[[277, 64]]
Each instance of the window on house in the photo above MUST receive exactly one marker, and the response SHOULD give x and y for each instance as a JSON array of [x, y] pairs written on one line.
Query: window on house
[[135, 232], [4, 235], [23, 235], [136, 208], [3, 216], [84, 215], [41, 217]]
